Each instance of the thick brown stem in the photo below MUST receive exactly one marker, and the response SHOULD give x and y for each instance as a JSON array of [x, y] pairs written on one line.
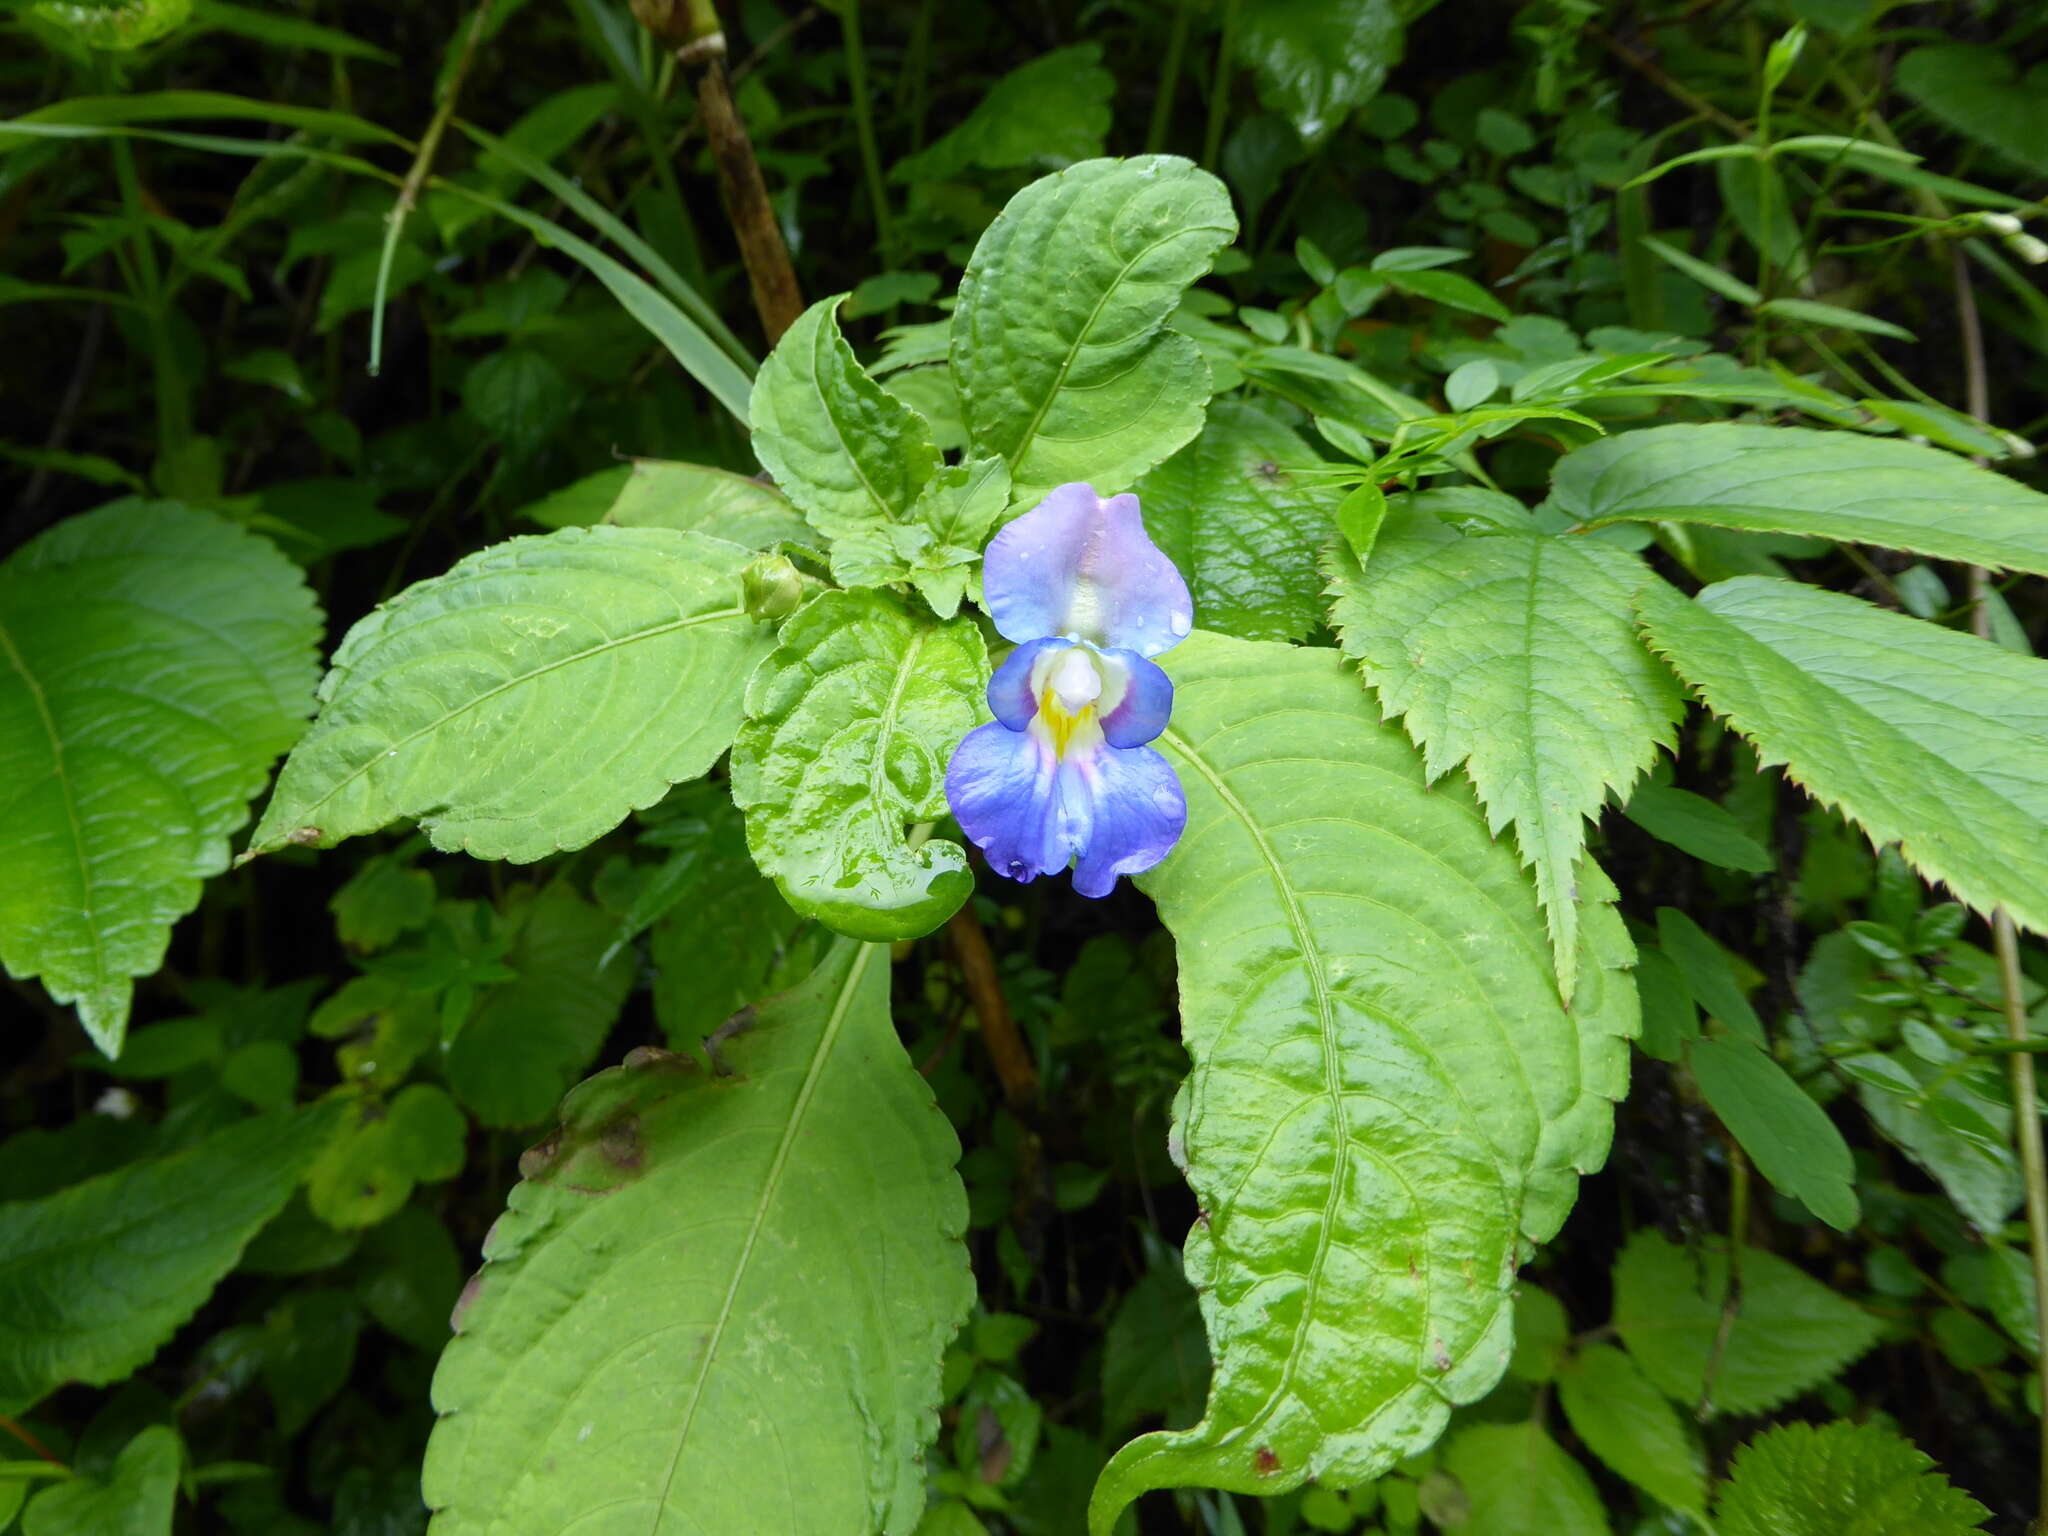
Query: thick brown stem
[[777, 299], [1006, 1048]]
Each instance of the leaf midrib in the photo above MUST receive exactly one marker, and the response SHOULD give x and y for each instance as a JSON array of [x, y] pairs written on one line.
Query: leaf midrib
[[71, 821], [490, 693], [770, 1184]]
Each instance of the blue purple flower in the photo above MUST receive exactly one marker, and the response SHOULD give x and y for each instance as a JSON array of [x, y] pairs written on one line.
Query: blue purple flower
[[1063, 773]]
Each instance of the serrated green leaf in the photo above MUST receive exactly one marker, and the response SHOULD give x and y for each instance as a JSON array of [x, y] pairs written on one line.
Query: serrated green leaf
[[1922, 736], [1542, 1335], [1514, 654], [1242, 514], [1837, 485], [718, 1302], [1840, 1479], [154, 661], [1051, 111], [530, 1039], [851, 456], [1790, 1333], [1632, 1427], [941, 539], [1317, 61], [140, 1498], [1789, 1137], [849, 726], [1520, 1482], [1978, 91], [1155, 1358], [524, 702], [95, 1278], [1059, 343], [1379, 983]]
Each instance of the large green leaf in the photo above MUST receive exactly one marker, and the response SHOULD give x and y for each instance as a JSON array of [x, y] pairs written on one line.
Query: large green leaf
[[1515, 654], [1978, 91], [1241, 513], [1520, 1482], [527, 700], [717, 1303], [1839, 485], [95, 1278], [1387, 1098], [1051, 111], [154, 661], [849, 726], [1923, 736], [1059, 344], [1840, 1479], [1318, 60], [1789, 1334], [529, 1039], [849, 454]]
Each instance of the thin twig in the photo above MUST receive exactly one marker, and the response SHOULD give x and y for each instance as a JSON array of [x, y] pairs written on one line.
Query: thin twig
[[1670, 87], [1006, 1048]]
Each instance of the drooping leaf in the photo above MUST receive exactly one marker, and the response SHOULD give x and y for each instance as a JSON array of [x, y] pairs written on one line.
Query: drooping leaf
[[1838, 485], [1977, 90], [1379, 984], [1840, 1479], [531, 1038], [1920, 735], [1316, 61], [1696, 825], [1051, 111], [154, 661], [697, 498], [1520, 1482], [718, 1303], [850, 723], [139, 1497], [1632, 1427], [1514, 654], [1789, 1137], [524, 702], [1789, 1335], [95, 1278], [851, 456], [1059, 344], [1236, 512]]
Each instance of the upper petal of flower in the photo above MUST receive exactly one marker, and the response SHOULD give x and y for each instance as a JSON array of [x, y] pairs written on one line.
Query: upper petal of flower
[[1079, 564]]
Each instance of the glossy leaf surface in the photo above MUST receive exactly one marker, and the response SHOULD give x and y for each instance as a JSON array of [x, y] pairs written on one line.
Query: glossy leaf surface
[[527, 700], [1387, 1097], [154, 661], [849, 727], [717, 1303], [1318, 60], [1059, 344]]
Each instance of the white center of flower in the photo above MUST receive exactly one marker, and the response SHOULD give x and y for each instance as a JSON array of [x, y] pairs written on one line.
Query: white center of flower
[[1075, 682]]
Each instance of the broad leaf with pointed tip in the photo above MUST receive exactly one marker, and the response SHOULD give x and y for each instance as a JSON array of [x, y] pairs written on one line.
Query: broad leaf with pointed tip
[[718, 1303], [1837, 485], [530, 698], [1059, 344], [1922, 736], [1317, 61], [1515, 653], [154, 661], [1387, 1098], [1240, 511], [850, 723], [851, 456]]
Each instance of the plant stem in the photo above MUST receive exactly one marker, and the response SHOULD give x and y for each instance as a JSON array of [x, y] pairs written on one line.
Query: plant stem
[[1219, 87], [1169, 78], [173, 418], [415, 178], [864, 122], [1006, 1047], [1731, 1305]]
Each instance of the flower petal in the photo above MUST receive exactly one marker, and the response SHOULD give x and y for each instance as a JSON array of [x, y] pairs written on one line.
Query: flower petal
[[1001, 786], [1134, 813], [1140, 712], [1011, 695], [1079, 564]]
